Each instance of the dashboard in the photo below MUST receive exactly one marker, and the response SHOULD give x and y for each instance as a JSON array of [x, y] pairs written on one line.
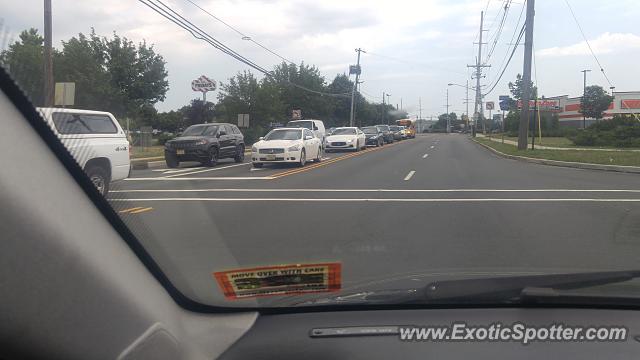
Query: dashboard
[[371, 335]]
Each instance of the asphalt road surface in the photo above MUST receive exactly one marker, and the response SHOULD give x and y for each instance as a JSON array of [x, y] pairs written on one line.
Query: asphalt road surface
[[437, 204]]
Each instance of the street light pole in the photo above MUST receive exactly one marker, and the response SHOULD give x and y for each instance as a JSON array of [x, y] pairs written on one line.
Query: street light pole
[[584, 92], [388, 96], [448, 117]]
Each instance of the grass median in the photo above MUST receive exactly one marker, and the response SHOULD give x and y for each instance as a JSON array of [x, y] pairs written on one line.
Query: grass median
[[138, 152], [625, 158]]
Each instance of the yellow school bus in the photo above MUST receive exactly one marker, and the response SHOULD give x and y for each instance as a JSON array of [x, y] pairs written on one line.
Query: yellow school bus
[[409, 125]]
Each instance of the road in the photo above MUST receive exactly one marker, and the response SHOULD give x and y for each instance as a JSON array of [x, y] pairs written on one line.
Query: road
[[437, 204]]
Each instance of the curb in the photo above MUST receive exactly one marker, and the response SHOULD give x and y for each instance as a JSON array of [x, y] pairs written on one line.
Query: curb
[[568, 164], [146, 163]]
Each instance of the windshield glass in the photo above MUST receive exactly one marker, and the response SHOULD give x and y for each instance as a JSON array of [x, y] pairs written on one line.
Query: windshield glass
[[199, 130], [283, 135], [523, 160], [301, 124], [344, 131]]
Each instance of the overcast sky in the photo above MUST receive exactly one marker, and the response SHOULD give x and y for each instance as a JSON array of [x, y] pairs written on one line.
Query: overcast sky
[[414, 47]]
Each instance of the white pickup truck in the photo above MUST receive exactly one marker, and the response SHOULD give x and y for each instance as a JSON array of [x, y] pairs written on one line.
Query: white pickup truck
[[96, 140]]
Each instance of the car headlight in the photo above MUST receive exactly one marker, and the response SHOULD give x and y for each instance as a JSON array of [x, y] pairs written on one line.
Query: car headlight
[[349, 141], [254, 149], [374, 137], [294, 148], [202, 142]]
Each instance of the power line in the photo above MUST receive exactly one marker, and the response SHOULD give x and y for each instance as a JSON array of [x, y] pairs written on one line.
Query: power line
[[498, 32], [513, 38], [587, 41], [244, 36], [168, 13], [515, 47]]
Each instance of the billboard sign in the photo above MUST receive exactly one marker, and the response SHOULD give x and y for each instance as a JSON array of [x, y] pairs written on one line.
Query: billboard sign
[[203, 84], [243, 120], [355, 69], [543, 105], [65, 94]]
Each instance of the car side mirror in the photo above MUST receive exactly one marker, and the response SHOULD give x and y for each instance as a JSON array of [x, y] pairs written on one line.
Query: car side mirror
[[221, 133]]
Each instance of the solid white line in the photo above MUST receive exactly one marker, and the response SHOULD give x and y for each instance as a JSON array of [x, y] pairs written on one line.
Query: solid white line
[[370, 190], [212, 169], [425, 156], [409, 175], [380, 200], [167, 178]]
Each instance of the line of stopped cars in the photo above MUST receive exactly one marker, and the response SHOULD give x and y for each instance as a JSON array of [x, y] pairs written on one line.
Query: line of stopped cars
[[299, 142]]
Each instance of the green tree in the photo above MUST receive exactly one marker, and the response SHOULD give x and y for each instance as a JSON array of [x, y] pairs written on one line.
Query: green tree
[[198, 112], [24, 61], [595, 102], [517, 88]]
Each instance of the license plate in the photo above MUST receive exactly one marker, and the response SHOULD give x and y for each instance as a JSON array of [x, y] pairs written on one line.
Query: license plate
[[180, 152], [271, 157]]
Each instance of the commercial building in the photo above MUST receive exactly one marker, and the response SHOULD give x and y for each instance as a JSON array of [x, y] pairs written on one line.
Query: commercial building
[[569, 108]]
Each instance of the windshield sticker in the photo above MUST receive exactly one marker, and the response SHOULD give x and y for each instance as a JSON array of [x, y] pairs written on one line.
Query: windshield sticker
[[279, 280]]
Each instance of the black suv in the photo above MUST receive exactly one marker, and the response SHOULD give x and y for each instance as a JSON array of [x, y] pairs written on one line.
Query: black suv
[[205, 143], [373, 135]]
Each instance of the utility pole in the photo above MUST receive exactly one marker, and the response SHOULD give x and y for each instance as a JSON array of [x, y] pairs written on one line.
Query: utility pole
[[48, 60], [383, 111], [420, 108], [477, 112], [526, 76], [584, 92], [355, 85]]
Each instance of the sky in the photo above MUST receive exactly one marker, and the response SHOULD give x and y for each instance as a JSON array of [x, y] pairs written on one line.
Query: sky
[[413, 48]]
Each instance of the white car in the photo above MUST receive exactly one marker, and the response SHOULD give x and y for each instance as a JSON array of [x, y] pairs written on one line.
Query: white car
[[286, 145], [95, 140], [346, 138]]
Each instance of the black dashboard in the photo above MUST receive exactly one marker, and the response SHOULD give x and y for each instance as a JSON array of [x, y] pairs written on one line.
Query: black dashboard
[[331, 335]]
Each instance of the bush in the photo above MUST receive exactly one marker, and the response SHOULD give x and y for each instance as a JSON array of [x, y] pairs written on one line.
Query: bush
[[620, 131], [163, 138]]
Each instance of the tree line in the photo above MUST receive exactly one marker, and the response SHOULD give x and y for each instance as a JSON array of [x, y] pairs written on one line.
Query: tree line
[[127, 79]]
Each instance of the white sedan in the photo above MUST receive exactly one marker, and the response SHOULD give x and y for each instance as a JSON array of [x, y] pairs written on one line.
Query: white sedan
[[286, 145], [346, 138]]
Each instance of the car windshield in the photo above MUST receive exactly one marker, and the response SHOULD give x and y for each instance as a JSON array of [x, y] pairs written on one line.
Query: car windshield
[[519, 155], [199, 130], [301, 124], [344, 131], [283, 135]]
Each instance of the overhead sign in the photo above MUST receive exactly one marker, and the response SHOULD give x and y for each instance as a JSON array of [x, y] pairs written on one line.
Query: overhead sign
[[296, 114], [65, 93], [203, 84], [543, 105], [491, 105], [243, 120], [355, 69], [279, 280], [504, 102]]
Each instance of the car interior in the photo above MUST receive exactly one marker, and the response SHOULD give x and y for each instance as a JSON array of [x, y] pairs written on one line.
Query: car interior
[[91, 291]]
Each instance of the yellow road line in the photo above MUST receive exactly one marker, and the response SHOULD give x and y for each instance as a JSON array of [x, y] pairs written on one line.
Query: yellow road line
[[141, 210], [330, 161], [131, 209]]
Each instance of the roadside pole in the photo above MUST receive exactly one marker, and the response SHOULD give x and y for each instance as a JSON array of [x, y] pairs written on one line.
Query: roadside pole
[[526, 76], [503, 126], [355, 85], [48, 60]]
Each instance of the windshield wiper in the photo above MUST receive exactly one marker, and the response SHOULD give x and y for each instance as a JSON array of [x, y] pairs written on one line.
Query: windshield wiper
[[501, 289], [474, 290]]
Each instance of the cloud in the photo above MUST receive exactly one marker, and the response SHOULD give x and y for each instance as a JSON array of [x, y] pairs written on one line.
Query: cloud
[[606, 43]]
